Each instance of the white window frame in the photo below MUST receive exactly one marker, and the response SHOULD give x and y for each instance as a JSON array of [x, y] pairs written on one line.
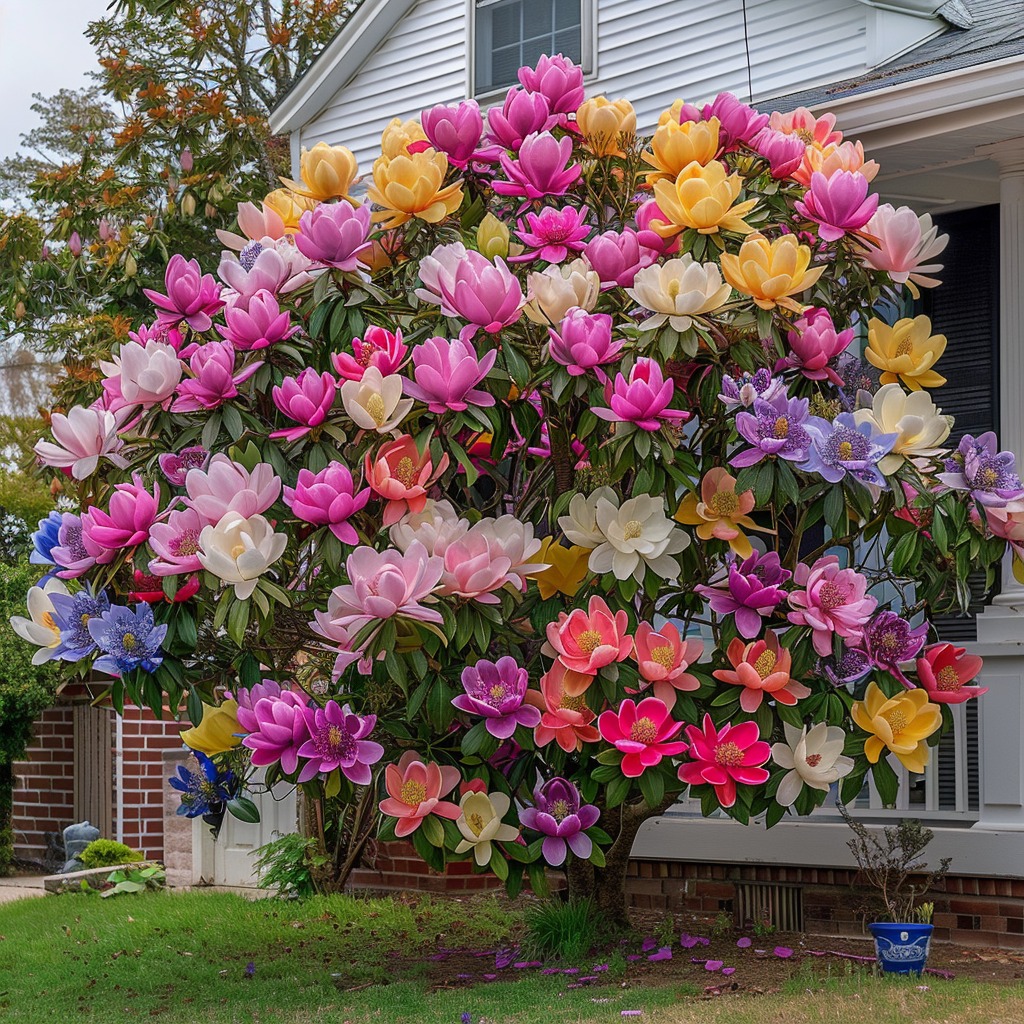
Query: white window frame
[[588, 50]]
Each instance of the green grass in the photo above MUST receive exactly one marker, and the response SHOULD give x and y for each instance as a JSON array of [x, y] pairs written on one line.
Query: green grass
[[181, 959]]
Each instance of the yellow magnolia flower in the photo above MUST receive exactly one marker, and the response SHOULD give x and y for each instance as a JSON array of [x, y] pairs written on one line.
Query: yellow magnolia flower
[[702, 198], [327, 172], [411, 186], [492, 237], [901, 724], [289, 206], [606, 125], [399, 135], [566, 571], [720, 512], [676, 145], [673, 113], [907, 351], [771, 272], [480, 824], [215, 734], [918, 424]]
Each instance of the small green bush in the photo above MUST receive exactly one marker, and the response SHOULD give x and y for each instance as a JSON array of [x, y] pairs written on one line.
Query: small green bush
[[566, 931], [287, 863], [107, 853]]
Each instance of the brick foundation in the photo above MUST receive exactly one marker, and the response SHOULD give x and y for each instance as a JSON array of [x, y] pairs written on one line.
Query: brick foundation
[[397, 867]]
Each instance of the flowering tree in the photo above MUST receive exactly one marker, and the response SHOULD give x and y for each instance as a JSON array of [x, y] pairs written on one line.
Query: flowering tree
[[504, 503]]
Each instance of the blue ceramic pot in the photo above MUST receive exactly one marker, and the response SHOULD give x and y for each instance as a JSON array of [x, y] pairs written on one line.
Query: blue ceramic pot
[[901, 948]]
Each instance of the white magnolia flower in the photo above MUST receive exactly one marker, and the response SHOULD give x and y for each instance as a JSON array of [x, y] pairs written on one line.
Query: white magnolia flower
[[480, 824], [638, 535], [513, 539], [238, 550], [375, 402], [580, 525], [83, 437], [148, 374], [814, 758], [40, 628], [915, 419], [554, 290], [678, 290], [435, 527]]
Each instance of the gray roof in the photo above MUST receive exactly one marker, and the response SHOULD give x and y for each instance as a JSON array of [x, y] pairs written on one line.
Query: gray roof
[[980, 31]]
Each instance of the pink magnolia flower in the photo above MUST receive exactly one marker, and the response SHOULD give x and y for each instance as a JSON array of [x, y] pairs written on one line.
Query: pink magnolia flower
[[75, 244], [784, 153], [838, 204], [81, 438], [415, 788], [495, 691], [337, 740], [247, 697], [552, 234], [335, 234], [437, 273], [377, 347], [156, 331], [617, 256], [813, 343], [643, 399], [175, 466], [455, 131], [522, 114], [141, 375], [131, 512], [643, 732], [328, 498], [945, 670], [175, 542], [903, 244], [583, 342], [811, 130], [191, 296], [558, 80], [738, 122], [724, 757], [259, 269], [647, 214], [214, 379], [306, 399], [225, 486], [401, 474], [258, 325], [486, 557], [565, 717], [833, 601], [255, 223], [543, 168], [836, 156], [587, 641], [662, 657], [446, 375], [277, 729]]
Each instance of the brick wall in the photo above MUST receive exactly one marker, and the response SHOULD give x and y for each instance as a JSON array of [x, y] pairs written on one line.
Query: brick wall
[[397, 866]]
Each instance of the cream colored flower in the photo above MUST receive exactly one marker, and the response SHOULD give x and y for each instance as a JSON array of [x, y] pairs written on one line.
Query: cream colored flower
[[238, 550], [480, 824], [814, 758], [39, 628], [580, 525], [638, 535], [678, 290], [375, 402], [918, 424], [556, 289]]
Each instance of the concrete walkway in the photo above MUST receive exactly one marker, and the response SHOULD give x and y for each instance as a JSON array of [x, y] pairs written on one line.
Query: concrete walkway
[[21, 886]]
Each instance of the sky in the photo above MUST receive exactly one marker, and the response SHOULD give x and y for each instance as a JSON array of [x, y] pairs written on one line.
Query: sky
[[42, 49]]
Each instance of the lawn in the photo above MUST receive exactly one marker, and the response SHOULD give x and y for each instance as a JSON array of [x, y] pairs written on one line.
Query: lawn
[[219, 959]]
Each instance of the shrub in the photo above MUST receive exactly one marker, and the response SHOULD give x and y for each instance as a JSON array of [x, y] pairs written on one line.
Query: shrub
[[559, 930], [286, 864], [108, 853]]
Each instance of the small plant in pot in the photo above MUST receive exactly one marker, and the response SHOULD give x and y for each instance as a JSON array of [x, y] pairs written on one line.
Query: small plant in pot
[[890, 863]]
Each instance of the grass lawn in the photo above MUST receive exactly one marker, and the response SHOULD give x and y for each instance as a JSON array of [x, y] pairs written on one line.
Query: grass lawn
[[183, 959]]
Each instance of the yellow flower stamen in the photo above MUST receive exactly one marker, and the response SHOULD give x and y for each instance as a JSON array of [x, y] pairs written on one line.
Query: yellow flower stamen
[[588, 641], [413, 793], [728, 754], [643, 731], [632, 530], [765, 664], [663, 656]]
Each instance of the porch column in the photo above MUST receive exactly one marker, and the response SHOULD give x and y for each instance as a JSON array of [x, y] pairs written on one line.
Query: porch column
[[1001, 626]]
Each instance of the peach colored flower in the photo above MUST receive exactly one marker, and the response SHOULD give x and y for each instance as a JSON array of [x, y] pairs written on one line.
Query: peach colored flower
[[400, 473], [761, 667], [565, 717], [415, 788], [814, 131], [720, 511], [587, 641], [663, 656]]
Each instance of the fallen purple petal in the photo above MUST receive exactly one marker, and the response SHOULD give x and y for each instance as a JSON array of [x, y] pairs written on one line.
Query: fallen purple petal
[[575, 985], [634, 956], [552, 970], [521, 964], [464, 977], [438, 956], [599, 967], [489, 977], [744, 943], [648, 945], [688, 941], [571, 970], [783, 951], [728, 970], [713, 965], [665, 953], [589, 977]]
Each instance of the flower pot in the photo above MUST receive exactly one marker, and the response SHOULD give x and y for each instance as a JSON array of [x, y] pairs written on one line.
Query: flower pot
[[901, 948]]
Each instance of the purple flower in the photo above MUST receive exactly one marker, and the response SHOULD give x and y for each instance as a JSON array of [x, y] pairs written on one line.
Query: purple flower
[[72, 614], [558, 80], [214, 381], [522, 114], [337, 739], [128, 639], [335, 234], [562, 819], [617, 257], [277, 729], [258, 324], [754, 590], [851, 666], [890, 639], [495, 690], [175, 466], [544, 168], [843, 447], [775, 428], [456, 131], [191, 296], [747, 388], [70, 552], [978, 466]]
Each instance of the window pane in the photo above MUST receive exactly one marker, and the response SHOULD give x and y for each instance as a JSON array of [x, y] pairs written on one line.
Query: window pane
[[567, 13], [504, 65], [505, 24], [533, 49], [538, 17], [569, 44]]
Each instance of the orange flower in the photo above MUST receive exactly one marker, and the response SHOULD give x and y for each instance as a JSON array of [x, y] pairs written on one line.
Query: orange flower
[[771, 272], [720, 511], [761, 667], [412, 186], [565, 717]]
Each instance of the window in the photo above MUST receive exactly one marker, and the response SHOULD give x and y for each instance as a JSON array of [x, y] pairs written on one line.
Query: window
[[514, 33]]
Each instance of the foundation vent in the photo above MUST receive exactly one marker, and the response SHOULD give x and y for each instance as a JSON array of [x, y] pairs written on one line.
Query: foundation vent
[[781, 906]]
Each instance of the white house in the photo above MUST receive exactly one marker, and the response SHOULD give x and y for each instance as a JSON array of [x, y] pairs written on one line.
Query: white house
[[935, 91]]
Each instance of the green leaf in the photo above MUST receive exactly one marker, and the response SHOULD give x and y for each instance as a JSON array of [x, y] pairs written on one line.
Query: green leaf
[[597, 857], [886, 782], [618, 790], [242, 808], [538, 879], [498, 863], [238, 621], [474, 739], [433, 830], [652, 786], [835, 511]]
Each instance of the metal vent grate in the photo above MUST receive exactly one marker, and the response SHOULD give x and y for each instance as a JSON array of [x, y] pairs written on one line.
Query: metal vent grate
[[781, 906]]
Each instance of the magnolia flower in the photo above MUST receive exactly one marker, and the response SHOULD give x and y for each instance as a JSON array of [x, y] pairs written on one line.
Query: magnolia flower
[[83, 437], [901, 724], [258, 268], [720, 512], [225, 486], [446, 375], [702, 197], [521, 114], [239, 550], [813, 758], [455, 131], [375, 402], [583, 342], [480, 824], [557, 289], [411, 185], [557, 79], [565, 717], [191, 296], [580, 523], [40, 628], [176, 543], [337, 741], [141, 375], [217, 731], [552, 234], [906, 352], [678, 290], [662, 657], [543, 167], [561, 817], [305, 399], [643, 732], [901, 243], [606, 125], [761, 668], [945, 671], [833, 601], [377, 347], [637, 536], [327, 172], [415, 789], [724, 757], [215, 380], [587, 641], [918, 424], [400, 473], [565, 568], [838, 204], [676, 145], [495, 691], [771, 272], [327, 498]]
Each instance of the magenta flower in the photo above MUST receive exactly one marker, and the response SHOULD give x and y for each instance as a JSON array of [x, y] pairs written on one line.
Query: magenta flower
[[337, 739], [552, 234], [377, 347], [890, 639], [456, 131], [447, 374], [225, 486], [643, 732], [583, 342], [259, 324], [335, 234], [833, 601], [191, 296], [642, 400], [784, 153], [646, 214], [328, 498], [277, 729], [214, 380], [813, 342], [544, 168], [558, 80], [176, 543], [838, 204], [739, 122], [131, 512], [754, 590], [176, 466], [561, 817], [522, 114], [618, 256], [722, 758], [247, 697], [495, 691], [306, 399], [258, 269], [774, 428]]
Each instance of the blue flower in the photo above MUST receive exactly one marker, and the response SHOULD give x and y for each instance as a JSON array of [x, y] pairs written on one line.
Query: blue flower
[[72, 614], [45, 539], [128, 640], [842, 447], [205, 791]]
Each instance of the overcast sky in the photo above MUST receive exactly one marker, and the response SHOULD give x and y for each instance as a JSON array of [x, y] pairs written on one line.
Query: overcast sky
[[42, 49]]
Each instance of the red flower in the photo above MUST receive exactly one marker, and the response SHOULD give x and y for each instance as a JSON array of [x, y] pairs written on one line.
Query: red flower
[[642, 732], [721, 758], [944, 671]]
